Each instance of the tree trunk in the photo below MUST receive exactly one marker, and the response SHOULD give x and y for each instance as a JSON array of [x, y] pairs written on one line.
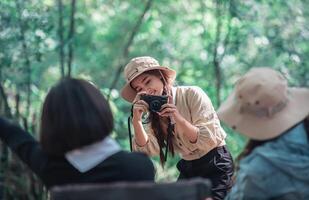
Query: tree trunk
[[125, 52], [71, 37], [26, 57], [60, 34], [17, 104], [4, 149], [216, 61], [3, 97]]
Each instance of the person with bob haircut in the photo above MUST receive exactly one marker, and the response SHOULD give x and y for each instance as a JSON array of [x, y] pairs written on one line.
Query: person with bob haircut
[[186, 124], [75, 146], [275, 161]]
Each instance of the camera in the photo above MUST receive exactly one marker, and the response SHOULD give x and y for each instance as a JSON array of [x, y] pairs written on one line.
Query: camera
[[154, 102]]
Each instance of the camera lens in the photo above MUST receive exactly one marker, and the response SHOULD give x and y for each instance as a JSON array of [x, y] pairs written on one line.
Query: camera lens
[[155, 105]]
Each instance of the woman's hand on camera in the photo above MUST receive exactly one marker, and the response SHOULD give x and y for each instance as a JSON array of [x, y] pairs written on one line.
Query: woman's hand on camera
[[139, 108], [170, 110]]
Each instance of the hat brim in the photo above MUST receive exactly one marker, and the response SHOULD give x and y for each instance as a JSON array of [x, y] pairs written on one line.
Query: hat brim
[[128, 93], [264, 128]]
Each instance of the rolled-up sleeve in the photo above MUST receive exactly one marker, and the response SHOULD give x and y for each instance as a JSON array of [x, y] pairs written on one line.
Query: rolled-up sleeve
[[151, 148], [205, 119]]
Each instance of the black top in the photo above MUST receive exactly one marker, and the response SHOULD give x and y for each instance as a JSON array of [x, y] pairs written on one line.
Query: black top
[[52, 170]]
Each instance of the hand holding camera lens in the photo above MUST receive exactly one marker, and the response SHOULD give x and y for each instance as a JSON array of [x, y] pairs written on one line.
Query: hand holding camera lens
[[155, 102]]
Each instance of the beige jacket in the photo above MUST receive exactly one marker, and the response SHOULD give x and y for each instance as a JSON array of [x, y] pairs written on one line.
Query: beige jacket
[[195, 106]]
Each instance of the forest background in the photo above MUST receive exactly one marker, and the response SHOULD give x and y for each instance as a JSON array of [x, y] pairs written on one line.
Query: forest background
[[209, 43]]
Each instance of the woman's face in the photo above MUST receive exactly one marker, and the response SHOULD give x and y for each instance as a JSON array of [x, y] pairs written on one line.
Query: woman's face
[[148, 83]]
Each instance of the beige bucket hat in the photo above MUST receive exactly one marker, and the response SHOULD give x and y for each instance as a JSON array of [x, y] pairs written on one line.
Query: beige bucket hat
[[136, 67], [262, 106]]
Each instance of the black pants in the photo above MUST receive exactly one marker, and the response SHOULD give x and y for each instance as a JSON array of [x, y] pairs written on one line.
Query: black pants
[[216, 165]]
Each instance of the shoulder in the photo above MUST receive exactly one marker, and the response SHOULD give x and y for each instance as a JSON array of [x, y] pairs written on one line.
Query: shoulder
[[134, 159], [193, 94], [256, 175], [134, 156], [190, 89], [135, 165], [256, 164]]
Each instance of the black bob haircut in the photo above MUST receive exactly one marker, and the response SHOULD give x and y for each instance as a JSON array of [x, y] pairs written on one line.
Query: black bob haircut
[[75, 114]]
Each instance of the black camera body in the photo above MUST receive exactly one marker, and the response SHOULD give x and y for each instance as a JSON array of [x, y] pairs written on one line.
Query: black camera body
[[155, 102]]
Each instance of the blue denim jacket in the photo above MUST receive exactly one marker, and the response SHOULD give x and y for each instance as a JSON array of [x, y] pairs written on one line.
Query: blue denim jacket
[[278, 169]]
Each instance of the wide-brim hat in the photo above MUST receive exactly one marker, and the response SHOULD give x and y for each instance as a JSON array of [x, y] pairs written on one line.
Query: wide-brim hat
[[136, 67], [262, 106]]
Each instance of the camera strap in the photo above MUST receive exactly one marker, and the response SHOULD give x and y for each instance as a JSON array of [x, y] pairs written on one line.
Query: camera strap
[[129, 128]]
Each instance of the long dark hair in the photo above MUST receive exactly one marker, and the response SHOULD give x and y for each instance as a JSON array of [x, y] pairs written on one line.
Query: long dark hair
[[154, 119], [161, 136], [75, 114]]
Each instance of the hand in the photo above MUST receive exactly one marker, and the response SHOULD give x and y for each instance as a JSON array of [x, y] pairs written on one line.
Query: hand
[[139, 108], [170, 110]]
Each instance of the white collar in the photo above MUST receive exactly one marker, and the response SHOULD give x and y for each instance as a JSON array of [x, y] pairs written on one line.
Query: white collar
[[88, 157]]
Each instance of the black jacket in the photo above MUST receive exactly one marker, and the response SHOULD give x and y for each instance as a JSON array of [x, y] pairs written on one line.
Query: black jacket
[[122, 166]]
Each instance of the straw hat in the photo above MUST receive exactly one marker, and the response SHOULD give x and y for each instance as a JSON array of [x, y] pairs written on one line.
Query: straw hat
[[262, 106], [136, 67]]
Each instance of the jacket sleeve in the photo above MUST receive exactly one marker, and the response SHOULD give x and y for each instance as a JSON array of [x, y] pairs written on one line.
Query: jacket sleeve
[[204, 117], [151, 148], [23, 144]]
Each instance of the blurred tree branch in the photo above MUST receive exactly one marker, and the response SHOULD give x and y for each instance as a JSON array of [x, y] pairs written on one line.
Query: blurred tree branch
[[27, 63], [125, 51], [60, 34], [71, 37]]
